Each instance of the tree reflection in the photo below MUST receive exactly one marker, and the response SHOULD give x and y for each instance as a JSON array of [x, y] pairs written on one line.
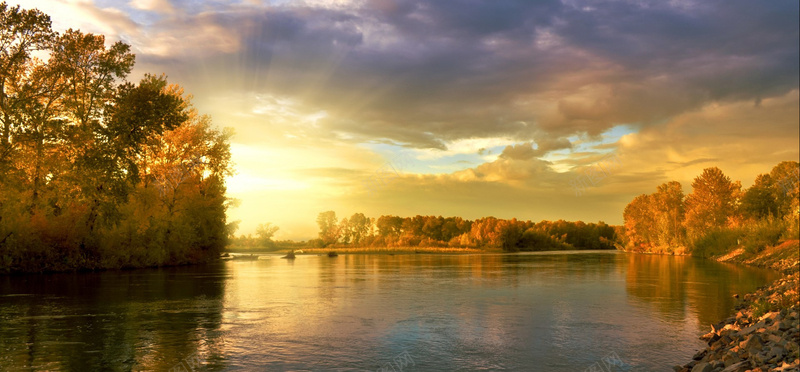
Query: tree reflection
[[675, 285], [122, 321]]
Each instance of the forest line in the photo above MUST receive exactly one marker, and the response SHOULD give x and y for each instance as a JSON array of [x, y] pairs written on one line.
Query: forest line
[[716, 217], [389, 231]]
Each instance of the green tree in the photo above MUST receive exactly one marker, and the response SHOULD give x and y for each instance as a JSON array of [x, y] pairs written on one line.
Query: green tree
[[760, 200]]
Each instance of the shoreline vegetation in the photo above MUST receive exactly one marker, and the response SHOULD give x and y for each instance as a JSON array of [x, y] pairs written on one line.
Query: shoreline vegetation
[[488, 234], [758, 226], [97, 172]]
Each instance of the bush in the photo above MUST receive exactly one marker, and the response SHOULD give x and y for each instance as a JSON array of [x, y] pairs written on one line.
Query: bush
[[716, 242], [761, 234], [533, 240], [754, 236]]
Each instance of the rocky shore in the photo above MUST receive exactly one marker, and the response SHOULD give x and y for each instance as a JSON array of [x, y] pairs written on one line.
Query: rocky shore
[[763, 335]]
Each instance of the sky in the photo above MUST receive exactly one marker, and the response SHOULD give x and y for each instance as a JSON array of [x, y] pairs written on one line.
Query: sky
[[537, 110]]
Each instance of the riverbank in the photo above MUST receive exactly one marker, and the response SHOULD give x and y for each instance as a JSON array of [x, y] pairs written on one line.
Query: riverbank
[[782, 257], [765, 332], [399, 250]]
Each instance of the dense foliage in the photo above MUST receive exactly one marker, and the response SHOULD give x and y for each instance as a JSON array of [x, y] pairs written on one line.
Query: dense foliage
[[95, 171], [718, 215], [437, 231]]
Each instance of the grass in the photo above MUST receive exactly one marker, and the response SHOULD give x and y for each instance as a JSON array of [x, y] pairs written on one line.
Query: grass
[[761, 307]]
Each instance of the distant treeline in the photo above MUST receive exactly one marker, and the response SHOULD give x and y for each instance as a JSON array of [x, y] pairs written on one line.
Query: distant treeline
[[436, 231], [97, 172], [718, 215]]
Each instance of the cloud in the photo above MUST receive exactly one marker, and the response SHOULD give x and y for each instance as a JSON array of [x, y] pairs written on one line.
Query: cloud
[[536, 85], [390, 68], [525, 151], [427, 73], [160, 6]]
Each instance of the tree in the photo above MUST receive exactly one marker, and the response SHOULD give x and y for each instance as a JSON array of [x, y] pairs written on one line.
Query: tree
[[389, 225], [90, 72], [669, 208], [76, 142], [359, 226], [640, 222], [760, 200], [345, 234], [786, 186], [511, 233], [265, 232], [21, 33], [328, 227], [712, 203]]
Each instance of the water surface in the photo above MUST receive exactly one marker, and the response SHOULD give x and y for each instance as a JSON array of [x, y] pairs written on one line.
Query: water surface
[[565, 311]]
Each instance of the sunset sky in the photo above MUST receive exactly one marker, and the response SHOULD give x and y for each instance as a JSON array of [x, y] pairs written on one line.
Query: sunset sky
[[469, 108]]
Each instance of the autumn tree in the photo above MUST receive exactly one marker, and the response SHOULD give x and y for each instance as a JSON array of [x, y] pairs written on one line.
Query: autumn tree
[[668, 206], [96, 172], [712, 203], [389, 225], [786, 186], [786, 177], [640, 226], [21, 33]]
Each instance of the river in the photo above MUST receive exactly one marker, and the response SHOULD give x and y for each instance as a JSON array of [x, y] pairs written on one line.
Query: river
[[563, 311]]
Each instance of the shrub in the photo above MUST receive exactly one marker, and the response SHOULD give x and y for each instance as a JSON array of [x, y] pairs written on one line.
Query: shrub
[[716, 242], [761, 234]]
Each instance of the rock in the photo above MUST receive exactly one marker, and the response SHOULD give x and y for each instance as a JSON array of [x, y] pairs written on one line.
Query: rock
[[752, 342], [710, 337], [769, 316], [747, 330], [730, 358], [774, 338], [738, 367], [702, 367], [758, 358], [700, 354], [787, 367], [777, 351], [769, 342]]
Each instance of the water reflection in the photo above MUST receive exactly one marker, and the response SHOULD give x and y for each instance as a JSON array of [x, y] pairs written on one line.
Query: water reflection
[[124, 320], [556, 312], [674, 286]]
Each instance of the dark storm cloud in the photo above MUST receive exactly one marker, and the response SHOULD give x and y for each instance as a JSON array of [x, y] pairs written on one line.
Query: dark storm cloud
[[424, 73]]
